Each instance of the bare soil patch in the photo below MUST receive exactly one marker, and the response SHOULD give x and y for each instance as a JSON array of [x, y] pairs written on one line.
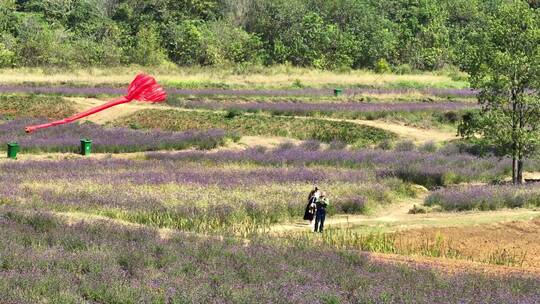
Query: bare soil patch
[[514, 242]]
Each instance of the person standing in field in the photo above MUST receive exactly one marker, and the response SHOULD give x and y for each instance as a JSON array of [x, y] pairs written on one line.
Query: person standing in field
[[311, 207], [322, 203]]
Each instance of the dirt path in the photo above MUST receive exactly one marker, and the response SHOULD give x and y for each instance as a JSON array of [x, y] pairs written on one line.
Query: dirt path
[[396, 217], [392, 213], [113, 113], [417, 135]]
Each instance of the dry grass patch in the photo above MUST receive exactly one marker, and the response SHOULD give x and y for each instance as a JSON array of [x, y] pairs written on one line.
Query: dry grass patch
[[268, 77]]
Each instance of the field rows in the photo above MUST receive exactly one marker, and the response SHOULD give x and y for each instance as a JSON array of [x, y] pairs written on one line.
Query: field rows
[[221, 223], [106, 262], [228, 92]]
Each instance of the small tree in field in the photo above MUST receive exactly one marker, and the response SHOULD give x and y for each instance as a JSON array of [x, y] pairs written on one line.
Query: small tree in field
[[502, 56]]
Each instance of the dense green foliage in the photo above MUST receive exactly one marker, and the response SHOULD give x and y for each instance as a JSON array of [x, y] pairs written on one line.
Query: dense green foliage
[[322, 130], [385, 35]]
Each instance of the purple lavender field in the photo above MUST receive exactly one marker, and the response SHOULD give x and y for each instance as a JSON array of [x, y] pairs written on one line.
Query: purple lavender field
[[226, 226], [428, 169], [43, 257], [193, 227], [191, 196], [485, 197], [66, 138]]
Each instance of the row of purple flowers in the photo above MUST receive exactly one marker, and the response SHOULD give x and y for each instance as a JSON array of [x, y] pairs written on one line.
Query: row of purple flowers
[[350, 107], [240, 92], [66, 138], [429, 169], [485, 197]]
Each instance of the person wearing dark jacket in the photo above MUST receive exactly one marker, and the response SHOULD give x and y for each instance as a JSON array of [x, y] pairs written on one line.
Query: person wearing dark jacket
[[322, 203], [311, 207]]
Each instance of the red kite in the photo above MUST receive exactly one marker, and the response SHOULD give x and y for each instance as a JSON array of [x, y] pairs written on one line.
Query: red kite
[[143, 88]]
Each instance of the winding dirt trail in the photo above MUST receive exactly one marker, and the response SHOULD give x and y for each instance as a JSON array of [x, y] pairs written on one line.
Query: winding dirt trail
[[113, 113], [417, 135], [391, 213]]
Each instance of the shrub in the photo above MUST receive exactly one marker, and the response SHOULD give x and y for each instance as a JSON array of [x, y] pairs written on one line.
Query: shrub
[[417, 210], [107, 53], [311, 145], [39, 44], [355, 205], [7, 57], [404, 146], [382, 66], [225, 43], [232, 113], [403, 69], [212, 43], [429, 147], [185, 43], [337, 145], [147, 50], [451, 117], [386, 145], [286, 146]]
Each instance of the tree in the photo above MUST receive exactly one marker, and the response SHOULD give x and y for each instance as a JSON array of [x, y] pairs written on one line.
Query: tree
[[422, 30], [147, 50], [39, 44], [502, 56]]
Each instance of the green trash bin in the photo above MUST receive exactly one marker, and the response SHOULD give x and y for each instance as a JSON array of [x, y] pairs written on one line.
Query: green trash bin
[[338, 92], [13, 149], [86, 146]]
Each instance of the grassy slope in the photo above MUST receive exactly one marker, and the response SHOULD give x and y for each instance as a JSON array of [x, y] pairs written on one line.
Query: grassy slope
[[37, 106], [323, 130]]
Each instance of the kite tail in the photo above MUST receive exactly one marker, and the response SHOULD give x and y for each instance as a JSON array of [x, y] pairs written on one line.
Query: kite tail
[[79, 116]]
